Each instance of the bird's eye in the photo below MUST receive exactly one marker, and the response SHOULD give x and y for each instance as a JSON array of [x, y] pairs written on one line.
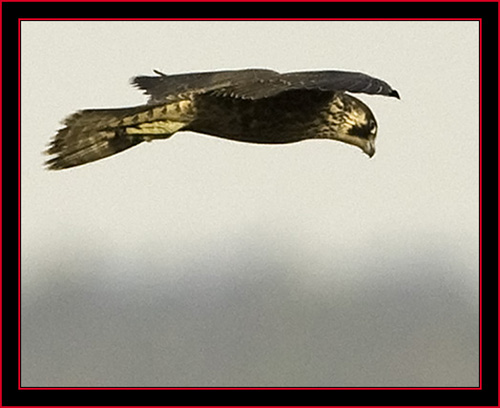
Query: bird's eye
[[372, 126]]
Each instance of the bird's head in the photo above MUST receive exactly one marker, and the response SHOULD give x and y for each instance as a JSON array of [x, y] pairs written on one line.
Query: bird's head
[[353, 122]]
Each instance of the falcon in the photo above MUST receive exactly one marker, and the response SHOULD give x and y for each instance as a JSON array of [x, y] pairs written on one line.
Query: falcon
[[250, 105]]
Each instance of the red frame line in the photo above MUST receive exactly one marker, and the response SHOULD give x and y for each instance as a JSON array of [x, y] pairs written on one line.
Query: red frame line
[[263, 19]]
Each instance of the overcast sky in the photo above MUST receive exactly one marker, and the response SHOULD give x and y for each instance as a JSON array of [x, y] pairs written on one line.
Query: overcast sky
[[198, 261]]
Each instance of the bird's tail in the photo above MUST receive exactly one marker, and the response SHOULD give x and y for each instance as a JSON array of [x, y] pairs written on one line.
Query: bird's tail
[[94, 134]]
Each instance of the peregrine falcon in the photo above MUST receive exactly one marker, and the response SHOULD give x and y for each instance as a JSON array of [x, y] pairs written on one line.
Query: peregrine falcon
[[250, 105]]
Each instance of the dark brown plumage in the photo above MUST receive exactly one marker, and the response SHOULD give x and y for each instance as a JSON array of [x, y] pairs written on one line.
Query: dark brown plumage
[[253, 105]]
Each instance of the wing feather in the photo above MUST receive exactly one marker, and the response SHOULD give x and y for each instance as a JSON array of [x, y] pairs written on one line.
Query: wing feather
[[164, 87], [343, 81], [258, 84]]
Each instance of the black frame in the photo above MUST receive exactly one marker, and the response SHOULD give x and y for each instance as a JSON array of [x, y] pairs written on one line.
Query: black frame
[[12, 395]]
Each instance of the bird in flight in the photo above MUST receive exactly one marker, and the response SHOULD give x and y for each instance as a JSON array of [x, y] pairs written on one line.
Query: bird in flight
[[250, 105]]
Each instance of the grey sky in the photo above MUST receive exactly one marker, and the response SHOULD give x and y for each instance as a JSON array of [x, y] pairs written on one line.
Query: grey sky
[[305, 240]]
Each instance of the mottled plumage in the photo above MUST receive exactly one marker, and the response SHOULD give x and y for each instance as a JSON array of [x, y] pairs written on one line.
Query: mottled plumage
[[253, 105]]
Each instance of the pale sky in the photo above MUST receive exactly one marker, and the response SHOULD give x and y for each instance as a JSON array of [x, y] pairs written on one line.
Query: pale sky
[[304, 255]]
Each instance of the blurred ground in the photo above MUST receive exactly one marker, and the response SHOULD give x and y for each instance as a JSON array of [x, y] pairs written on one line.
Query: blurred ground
[[256, 326]]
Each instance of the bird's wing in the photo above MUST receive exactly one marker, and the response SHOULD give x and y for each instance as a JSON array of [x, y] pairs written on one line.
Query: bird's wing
[[162, 88], [266, 87], [258, 84]]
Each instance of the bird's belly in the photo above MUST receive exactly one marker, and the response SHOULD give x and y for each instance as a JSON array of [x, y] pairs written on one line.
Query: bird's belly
[[257, 135], [265, 122]]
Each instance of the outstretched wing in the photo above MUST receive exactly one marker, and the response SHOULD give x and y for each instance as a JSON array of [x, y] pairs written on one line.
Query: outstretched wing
[[259, 83], [165, 88], [355, 82]]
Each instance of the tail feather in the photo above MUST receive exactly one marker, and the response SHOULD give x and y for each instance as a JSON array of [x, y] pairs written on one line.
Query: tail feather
[[74, 149], [91, 135]]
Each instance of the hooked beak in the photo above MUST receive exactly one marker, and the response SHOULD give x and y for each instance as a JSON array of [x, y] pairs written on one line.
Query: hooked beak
[[369, 148]]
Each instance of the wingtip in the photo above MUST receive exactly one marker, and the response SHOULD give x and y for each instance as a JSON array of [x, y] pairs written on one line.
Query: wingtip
[[134, 81], [395, 94], [141, 82], [162, 74], [144, 82]]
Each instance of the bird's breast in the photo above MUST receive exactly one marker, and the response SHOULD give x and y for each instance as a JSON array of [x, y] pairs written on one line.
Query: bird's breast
[[288, 118]]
